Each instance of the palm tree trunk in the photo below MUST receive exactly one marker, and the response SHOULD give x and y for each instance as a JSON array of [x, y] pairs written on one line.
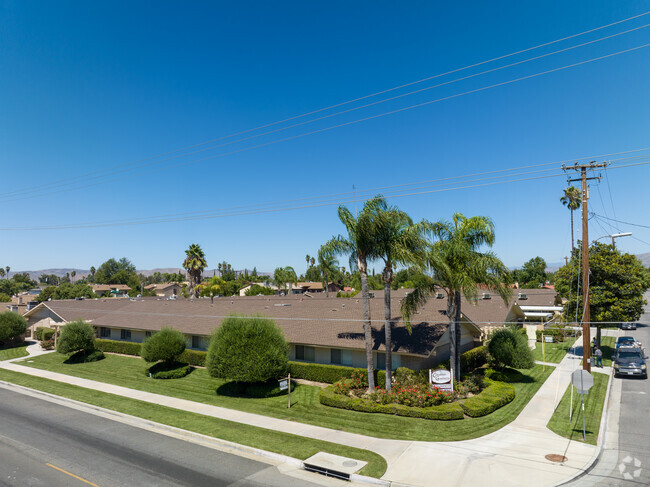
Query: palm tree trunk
[[367, 330], [453, 312], [572, 244], [387, 328], [327, 287]]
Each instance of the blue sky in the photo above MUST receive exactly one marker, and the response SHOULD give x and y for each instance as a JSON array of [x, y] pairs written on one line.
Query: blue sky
[[91, 86]]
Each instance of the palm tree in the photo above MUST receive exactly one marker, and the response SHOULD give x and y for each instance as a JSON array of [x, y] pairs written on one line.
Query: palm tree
[[459, 267], [2, 272], [328, 266], [312, 261], [92, 273], [572, 200], [308, 259], [7, 269], [359, 245], [399, 242], [212, 287], [194, 264], [73, 273], [283, 276]]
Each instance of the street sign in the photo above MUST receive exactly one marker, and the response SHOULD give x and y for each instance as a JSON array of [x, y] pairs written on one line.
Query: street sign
[[582, 381], [548, 339]]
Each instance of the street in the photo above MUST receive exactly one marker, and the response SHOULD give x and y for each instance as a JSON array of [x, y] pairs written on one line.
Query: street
[[629, 463], [46, 444]]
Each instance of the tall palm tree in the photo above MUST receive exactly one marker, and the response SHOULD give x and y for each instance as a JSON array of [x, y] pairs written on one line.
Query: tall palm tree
[[572, 199], [459, 267], [194, 264], [92, 273], [2, 272], [312, 261], [7, 269], [359, 245], [308, 259], [328, 265], [285, 277], [399, 242], [72, 274]]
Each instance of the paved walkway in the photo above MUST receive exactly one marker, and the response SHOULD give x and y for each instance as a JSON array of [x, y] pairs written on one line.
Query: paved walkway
[[511, 456]]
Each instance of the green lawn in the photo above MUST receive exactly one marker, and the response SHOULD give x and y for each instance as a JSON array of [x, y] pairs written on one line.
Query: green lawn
[[594, 402], [269, 440], [607, 346], [553, 352], [198, 386], [13, 352]]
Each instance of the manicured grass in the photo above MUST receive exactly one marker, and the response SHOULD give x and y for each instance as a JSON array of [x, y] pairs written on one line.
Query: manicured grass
[[594, 403], [608, 345], [265, 439], [16, 351], [553, 352], [199, 386]]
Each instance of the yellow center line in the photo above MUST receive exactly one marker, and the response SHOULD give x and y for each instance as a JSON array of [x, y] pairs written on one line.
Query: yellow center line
[[71, 475]]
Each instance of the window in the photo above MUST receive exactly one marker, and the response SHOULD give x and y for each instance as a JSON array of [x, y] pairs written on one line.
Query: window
[[305, 353], [335, 356], [196, 341], [125, 334], [147, 334], [381, 360], [105, 332]]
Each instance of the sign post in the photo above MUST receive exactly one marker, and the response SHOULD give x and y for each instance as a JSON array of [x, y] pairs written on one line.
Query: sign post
[[285, 384], [583, 381]]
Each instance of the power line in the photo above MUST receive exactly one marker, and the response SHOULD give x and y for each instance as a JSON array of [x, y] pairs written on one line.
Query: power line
[[619, 221], [108, 172]]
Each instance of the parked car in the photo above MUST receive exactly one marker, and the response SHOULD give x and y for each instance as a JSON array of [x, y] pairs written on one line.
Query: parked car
[[626, 341], [628, 325], [630, 361]]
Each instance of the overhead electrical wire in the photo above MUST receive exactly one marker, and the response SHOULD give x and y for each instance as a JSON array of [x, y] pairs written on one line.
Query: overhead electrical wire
[[108, 172]]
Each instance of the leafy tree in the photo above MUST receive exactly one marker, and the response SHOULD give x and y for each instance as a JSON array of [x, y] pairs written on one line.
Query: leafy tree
[[212, 288], [166, 345], [617, 282], [572, 199], [458, 267], [256, 289], [313, 274], [226, 271], [12, 326], [398, 242], [5, 298], [66, 291], [532, 274], [284, 277], [2, 272], [194, 264], [77, 336], [49, 279], [92, 273], [509, 347], [248, 349], [117, 272], [359, 245]]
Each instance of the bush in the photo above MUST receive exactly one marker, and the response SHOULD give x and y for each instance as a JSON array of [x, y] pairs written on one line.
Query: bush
[[83, 357], [165, 345], [510, 348], [330, 374], [78, 336], [47, 344], [5, 298], [474, 358], [12, 326], [443, 412], [44, 333], [248, 349], [193, 357], [169, 370], [114, 346], [351, 294], [494, 396]]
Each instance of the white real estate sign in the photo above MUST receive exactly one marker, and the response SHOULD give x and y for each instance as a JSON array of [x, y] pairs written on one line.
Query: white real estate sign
[[441, 379]]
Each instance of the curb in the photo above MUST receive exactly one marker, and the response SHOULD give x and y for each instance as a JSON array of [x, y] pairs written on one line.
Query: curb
[[197, 438]]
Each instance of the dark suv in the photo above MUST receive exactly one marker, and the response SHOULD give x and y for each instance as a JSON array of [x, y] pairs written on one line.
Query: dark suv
[[630, 361]]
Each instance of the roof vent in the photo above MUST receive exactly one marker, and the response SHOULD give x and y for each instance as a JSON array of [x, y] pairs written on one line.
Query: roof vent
[[523, 296], [440, 295], [372, 295], [487, 296], [282, 304]]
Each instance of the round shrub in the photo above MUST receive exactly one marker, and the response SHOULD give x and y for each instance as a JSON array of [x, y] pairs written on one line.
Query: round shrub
[[248, 349], [165, 345], [12, 326], [169, 370], [509, 348], [83, 357], [78, 336]]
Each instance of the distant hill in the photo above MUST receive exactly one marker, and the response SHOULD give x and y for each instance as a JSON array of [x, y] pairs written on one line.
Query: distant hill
[[645, 259], [61, 272]]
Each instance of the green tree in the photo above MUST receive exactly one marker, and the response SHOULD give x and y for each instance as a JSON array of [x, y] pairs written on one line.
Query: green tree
[[458, 267], [12, 327], [572, 199], [328, 265], [211, 288], [165, 345], [313, 274], [359, 245], [285, 277], [256, 289], [248, 349], [117, 272], [509, 347], [66, 291], [398, 242], [226, 271], [77, 336], [533, 273], [2, 272], [194, 264], [617, 282]]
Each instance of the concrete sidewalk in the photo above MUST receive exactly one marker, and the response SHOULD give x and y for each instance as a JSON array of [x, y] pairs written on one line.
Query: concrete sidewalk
[[511, 456]]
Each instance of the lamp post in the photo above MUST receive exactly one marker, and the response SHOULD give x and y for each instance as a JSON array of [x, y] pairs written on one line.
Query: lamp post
[[616, 235]]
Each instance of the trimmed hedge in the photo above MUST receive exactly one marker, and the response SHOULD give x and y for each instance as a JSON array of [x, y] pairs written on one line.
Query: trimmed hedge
[[474, 358], [330, 373], [193, 357], [494, 396], [44, 333], [114, 346], [174, 370], [443, 412]]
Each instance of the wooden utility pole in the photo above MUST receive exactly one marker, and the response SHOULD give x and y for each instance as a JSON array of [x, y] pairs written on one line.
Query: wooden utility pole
[[586, 316]]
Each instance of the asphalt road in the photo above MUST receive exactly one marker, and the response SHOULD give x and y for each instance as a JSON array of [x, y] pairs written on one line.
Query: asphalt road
[[46, 444], [629, 465]]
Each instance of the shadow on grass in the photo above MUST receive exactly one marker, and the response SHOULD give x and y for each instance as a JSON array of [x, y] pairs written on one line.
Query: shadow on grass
[[254, 390], [83, 357], [9, 346], [512, 376]]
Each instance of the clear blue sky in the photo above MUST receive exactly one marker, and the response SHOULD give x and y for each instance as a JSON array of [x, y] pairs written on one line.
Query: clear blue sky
[[88, 86]]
